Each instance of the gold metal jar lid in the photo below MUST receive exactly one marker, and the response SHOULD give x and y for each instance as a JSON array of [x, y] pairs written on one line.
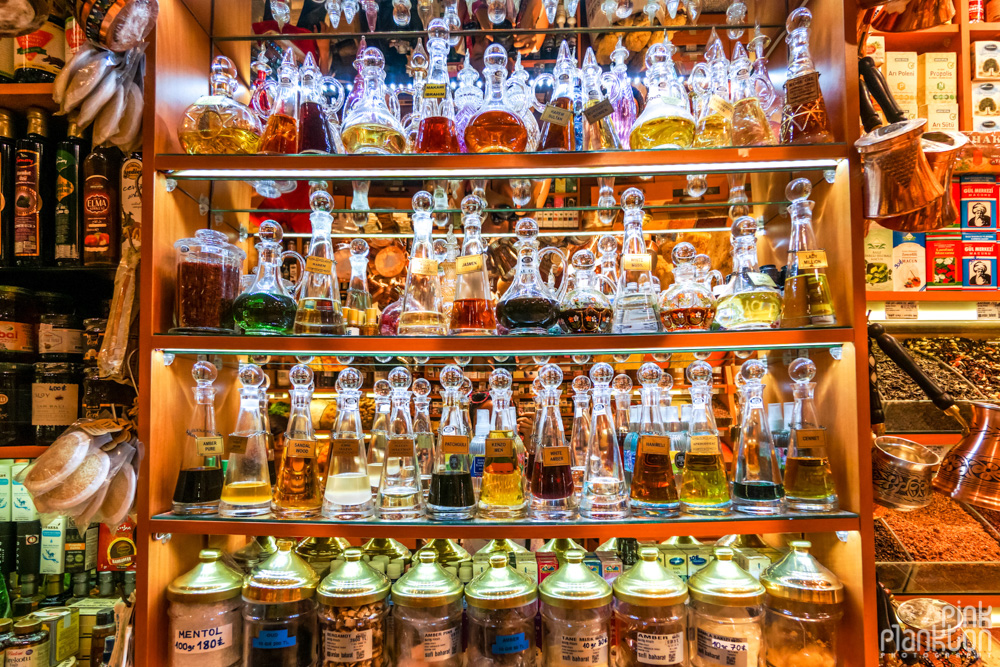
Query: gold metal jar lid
[[427, 584], [750, 541], [353, 583], [385, 546], [723, 582], [799, 577], [284, 577], [506, 546], [27, 626], [445, 552], [5, 625], [500, 586], [649, 584], [211, 580], [322, 548], [681, 541], [561, 546], [256, 550], [574, 585]]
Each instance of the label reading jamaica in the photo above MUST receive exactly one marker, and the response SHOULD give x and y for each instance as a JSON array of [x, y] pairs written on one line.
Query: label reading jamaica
[[300, 449], [455, 444], [555, 456], [499, 447], [210, 445]]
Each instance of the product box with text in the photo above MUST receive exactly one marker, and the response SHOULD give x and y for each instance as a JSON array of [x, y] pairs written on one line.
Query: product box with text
[[979, 260], [937, 80], [878, 259], [901, 76], [978, 202], [986, 60], [944, 260], [909, 263]]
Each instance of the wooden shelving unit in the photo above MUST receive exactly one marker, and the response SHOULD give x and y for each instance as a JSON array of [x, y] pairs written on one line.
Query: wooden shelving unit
[[19, 96]]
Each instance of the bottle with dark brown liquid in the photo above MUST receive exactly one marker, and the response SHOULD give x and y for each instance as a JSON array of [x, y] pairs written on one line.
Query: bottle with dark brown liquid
[[33, 212], [281, 134], [314, 128], [7, 145], [69, 209], [558, 128], [101, 213], [199, 483], [529, 307], [585, 309]]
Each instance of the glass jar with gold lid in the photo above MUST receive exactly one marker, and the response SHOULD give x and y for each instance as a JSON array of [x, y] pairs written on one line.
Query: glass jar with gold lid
[[576, 616], [205, 612], [501, 616], [352, 614], [319, 552], [279, 611], [803, 607], [726, 616], [650, 614], [427, 616]]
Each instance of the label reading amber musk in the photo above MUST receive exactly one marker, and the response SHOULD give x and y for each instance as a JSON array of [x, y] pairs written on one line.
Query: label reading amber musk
[[654, 444], [704, 444], [468, 263], [810, 437], [455, 444], [720, 106], [802, 89], [598, 112], [343, 447], [238, 444], [434, 91], [210, 445], [636, 262], [423, 267], [300, 449], [556, 116], [555, 456], [321, 265], [811, 259], [399, 448], [499, 448]]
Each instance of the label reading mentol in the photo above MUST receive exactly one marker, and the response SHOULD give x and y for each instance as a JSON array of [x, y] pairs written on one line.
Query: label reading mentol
[[204, 640]]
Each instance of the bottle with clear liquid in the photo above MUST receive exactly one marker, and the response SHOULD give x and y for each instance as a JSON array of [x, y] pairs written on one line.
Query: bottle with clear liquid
[[558, 127], [666, 121], [247, 487], [626, 422], [605, 493], [806, 301], [446, 252], [704, 484], [399, 495], [809, 483], [757, 482], [216, 123], [370, 125], [468, 99], [599, 133], [552, 495], [521, 99], [754, 302], [580, 434], [421, 313], [437, 132], [607, 247], [266, 308], [317, 297], [273, 452], [496, 128], [451, 497], [637, 307], [418, 67], [750, 124], [281, 134], [530, 306], [473, 312], [379, 432], [314, 126], [348, 494], [688, 304], [423, 432], [199, 483], [298, 489], [501, 494], [358, 301], [620, 94], [803, 118], [771, 100], [654, 492], [477, 448], [714, 127], [585, 309]]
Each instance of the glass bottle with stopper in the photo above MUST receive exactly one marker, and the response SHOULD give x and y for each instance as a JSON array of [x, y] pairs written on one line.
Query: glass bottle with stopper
[[522, 101], [607, 247], [636, 304], [585, 308], [358, 302], [379, 431], [558, 126], [704, 484], [216, 123], [688, 304], [314, 126], [579, 436], [468, 99], [399, 495], [771, 100], [803, 118], [605, 494], [317, 296], [622, 385], [262, 89], [348, 493], [598, 132], [552, 496], [666, 121], [421, 313], [654, 492], [757, 483], [247, 487], [423, 432], [501, 494], [806, 300], [265, 308], [417, 67], [750, 124], [473, 312], [529, 306], [809, 485], [451, 495], [754, 302], [437, 132], [714, 127], [371, 126], [281, 134], [497, 128], [298, 489], [199, 483], [620, 93]]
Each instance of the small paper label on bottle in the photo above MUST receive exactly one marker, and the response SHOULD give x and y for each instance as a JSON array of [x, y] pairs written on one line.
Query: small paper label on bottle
[[720, 106], [319, 265], [101, 427], [468, 263], [455, 444], [810, 437], [811, 259], [210, 445], [344, 447], [666, 649], [300, 449], [654, 444], [555, 456], [704, 444], [499, 447], [423, 267], [54, 404], [441, 645], [274, 639], [59, 341], [399, 448], [636, 262], [716, 649], [347, 646], [203, 640], [598, 112], [802, 89], [583, 649], [556, 115], [761, 279], [238, 444], [434, 91], [509, 644]]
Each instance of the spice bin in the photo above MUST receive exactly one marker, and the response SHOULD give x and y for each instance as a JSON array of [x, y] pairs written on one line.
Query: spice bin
[[650, 614], [208, 282], [427, 616], [352, 614], [501, 616], [576, 616]]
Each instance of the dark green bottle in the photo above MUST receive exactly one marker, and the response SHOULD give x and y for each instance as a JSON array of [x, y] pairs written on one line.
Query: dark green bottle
[[68, 227]]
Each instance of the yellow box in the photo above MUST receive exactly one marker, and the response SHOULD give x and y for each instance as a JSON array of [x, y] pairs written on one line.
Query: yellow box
[[937, 80], [901, 75], [940, 116]]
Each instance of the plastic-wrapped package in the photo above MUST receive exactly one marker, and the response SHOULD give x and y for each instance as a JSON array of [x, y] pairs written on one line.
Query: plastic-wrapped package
[[111, 358]]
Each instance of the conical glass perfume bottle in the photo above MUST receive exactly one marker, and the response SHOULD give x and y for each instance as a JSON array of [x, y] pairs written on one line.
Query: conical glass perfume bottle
[[666, 121], [421, 314], [620, 94], [262, 88], [585, 309], [281, 134], [265, 308], [317, 296], [473, 313], [626, 422], [714, 127], [771, 99], [199, 483], [370, 126], [636, 304], [521, 99], [704, 484], [754, 302], [348, 493], [333, 96], [273, 451], [216, 123], [247, 488], [809, 483], [358, 85], [298, 491], [654, 492], [579, 436], [806, 301], [687, 304], [358, 301], [437, 133], [529, 307], [757, 483], [803, 119], [423, 432], [750, 125], [417, 67], [558, 128], [399, 495], [379, 431], [501, 494], [552, 497], [598, 131], [468, 99], [451, 497], [496, 128], [605, 494], [314, 128]]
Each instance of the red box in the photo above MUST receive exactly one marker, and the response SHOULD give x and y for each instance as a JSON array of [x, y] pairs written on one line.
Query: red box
[[116, 551], [547, 564], [944, 260]]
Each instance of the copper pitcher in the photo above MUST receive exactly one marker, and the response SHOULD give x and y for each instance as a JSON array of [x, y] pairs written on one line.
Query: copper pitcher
[[908, 15], [971, 470], [897, 177]]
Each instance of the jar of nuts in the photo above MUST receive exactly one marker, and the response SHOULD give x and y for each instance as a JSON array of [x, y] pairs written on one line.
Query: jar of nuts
[[650, 614], [501, 617], [427, 616], [352, 614]]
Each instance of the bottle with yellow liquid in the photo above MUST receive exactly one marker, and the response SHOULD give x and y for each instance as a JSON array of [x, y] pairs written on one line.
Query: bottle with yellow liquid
[[666, 121], [598, 132], [754, 301], [806, 301], [809, 483], [298, 489], [501, 494], [750, 124], [714, 127], [317, 295], [247, 488], [704, 484], [370, 125], [216, 123], [422, 314]]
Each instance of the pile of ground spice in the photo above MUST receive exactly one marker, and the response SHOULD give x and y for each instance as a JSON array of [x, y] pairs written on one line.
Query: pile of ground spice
[[943, 531], [887, 549]]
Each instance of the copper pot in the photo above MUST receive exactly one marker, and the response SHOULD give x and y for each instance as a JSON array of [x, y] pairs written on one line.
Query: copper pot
[[898, 179], [971, 469], [909, 15]]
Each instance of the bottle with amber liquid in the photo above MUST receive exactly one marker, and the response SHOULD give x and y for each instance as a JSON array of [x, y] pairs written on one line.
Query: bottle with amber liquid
[[218, 124], [317, 296], [437, 133], [497, 128], [704, 484], [501, 494], [654, 492], [281, 134], [199, 483], [754, 302], [666, 121], [558, 127], [473, 312], [298, 489], [247, 487], [806, 301], [371, 127], [803, 118], [750, 124], [714, 127], [598, 132], [808, 479], [605, 495], [314, 128], [552, 496]]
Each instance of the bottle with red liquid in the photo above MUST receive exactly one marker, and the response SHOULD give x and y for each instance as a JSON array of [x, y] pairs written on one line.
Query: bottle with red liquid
[[437, 133], [551, 490], [558, 117], [473, 312], [314, 129], [281, 135]]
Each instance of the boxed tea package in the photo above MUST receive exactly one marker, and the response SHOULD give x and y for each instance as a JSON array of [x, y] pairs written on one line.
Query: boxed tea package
[[986, 60], [937, 80], [944, 260], [909, 264], [978, 203], [878, 258], [979, 260]]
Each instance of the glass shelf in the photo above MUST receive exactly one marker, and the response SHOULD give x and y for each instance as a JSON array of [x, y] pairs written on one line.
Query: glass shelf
[[648, 208]]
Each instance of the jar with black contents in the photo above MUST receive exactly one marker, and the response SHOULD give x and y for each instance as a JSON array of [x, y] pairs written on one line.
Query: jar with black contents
[[15, 404], [93, 338], [55, 399], [54, 303], [60, 338], [17, 324]]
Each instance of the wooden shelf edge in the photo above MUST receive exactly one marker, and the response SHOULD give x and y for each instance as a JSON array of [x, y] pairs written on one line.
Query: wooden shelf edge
[[943, 296], [20, 96], [22, 452]]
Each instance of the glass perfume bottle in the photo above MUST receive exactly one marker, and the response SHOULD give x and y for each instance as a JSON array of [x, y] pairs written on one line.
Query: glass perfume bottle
[[265, 308], [332, 94], [418, 66], [314, 128], [558, 127], [529, 306], [421, 313], [520, 97], [605, 494], [607, 246], [399, 495], [750, 125], [317, 296], [585, 309], [468, 99], [579, 436], [273, 450], [754, 302], [771, 99], [423, 432], [688, 304], [714, 127], [298, 491], [451, 497], [636, 304], [358, 301], [598, 131], [654, 492], [437, 133], [806, 301], [666, 121], [199, 483], [757, 483], [803, 119], [370, 125], [348, 493], [358, 85], [216, 123], [552, 497], [262, 89], [281, 134], [620, 94], [623, 402], [704, 484], [473, 312], [809, 483], [379, 432], [247, 488], [501, 494], [496, 128]]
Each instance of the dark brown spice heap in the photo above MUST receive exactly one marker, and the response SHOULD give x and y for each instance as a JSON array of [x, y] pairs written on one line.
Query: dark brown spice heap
[[977, 360], [887, 549], [895, 385], [943, 531]]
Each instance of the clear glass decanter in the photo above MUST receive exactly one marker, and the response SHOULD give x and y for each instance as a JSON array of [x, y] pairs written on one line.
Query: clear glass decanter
[[371, 126], [348, 493], [473, 312], [298, 488], [451, 496], [314, 126], [265, 308], [216, 123], [421, 314], [585, 309], [771, 99], [607, 246], [714, 127], [809, 485], [247, 488], [605, 493], [806, 301], [636, 304], [437, 133], [529, 306], [754, 302], [620, 94], [423, 432], [399, 495], [358, 85], [750, 124], [497, 128], [501, 494], [666, 121], [468, 99], [417, 67], [688, 304], [704, 484], [579, 435], [317, 296], [262, 88], [552, 496], [598, 131], [358, 301], [281, 134], [654, 492], [558, 126], [623, 401], [803, 118], [757, 483], [520, 98], [379, 431], [199, 482], [273, 453]]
